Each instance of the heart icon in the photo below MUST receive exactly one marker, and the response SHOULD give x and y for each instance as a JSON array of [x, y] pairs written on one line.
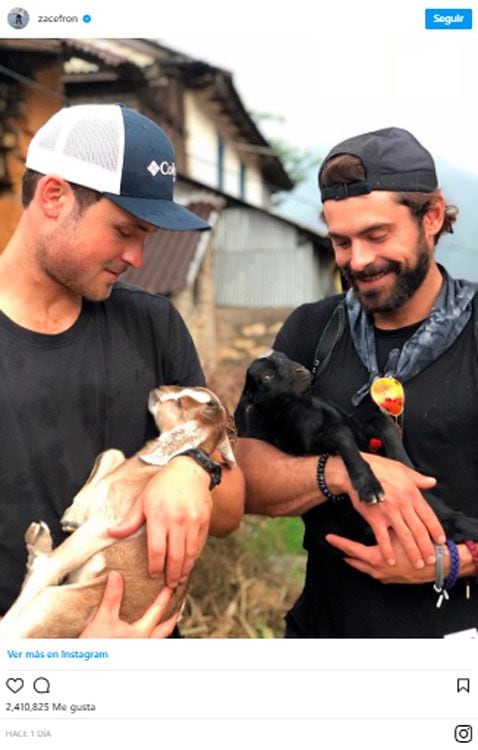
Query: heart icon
[[14, 684]]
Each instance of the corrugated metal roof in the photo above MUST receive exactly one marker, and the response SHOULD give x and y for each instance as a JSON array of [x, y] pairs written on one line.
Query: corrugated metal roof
[[171, 258]]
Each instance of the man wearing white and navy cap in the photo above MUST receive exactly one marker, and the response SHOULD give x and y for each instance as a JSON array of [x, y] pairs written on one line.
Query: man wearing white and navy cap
[[80, 351]]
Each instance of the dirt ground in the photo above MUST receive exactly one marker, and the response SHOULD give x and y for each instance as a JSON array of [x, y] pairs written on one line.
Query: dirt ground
[[236, 593]]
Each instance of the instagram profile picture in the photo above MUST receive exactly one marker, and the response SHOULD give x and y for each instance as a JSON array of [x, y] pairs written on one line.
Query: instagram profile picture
[[18, 18]]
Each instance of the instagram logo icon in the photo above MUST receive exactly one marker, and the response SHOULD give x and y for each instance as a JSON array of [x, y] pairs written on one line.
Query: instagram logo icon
[[463, 733]]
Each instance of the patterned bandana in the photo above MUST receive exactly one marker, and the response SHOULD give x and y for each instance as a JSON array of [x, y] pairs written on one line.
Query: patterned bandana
[[448, 317]]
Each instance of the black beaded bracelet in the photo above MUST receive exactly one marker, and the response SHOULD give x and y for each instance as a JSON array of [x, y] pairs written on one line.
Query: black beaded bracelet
[[322, 484]]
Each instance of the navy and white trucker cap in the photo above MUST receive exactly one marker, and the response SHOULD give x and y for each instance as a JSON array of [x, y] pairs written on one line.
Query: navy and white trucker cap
[[118, 152], [393, 159]]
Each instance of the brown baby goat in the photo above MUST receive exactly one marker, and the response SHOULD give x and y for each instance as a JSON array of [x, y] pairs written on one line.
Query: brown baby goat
[[65, 585]]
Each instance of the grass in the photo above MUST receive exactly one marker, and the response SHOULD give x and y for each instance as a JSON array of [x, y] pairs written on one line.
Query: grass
[[273, 536]]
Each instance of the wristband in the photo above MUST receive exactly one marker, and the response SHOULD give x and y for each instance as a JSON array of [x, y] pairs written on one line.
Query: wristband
[[322, 484], [473, 547], [454, 571], [439, 575], [205, 462]]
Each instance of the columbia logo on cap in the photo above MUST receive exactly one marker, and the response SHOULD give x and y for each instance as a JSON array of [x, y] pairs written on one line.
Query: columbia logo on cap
[[166, 168]]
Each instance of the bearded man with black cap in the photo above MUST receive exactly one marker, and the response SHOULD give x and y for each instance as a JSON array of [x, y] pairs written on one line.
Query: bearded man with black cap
[[80, 351], [404, 318]]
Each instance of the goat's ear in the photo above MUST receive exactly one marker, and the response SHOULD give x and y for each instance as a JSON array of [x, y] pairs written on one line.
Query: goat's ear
[[250, 390], [225, 449], [169, 444]]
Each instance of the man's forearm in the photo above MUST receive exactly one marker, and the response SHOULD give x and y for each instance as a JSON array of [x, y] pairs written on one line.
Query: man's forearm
[[467, 566], [228, 502], [277, 484]]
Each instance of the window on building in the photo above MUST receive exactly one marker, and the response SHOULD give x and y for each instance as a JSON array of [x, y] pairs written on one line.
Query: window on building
[[242, 181], [220, 162]]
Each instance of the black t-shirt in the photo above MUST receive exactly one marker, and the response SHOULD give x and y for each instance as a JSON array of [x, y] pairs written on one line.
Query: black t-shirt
[[441, 437], [65, 398]]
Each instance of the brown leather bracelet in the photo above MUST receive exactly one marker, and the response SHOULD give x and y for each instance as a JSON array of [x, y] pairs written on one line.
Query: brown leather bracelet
[[473, 547]]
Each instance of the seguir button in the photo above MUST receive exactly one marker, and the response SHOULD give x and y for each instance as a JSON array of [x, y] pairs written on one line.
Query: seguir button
[[444, 18]]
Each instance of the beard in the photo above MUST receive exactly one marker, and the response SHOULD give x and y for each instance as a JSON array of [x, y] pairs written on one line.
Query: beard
[[70, 277], [408, 278], [64, 266]]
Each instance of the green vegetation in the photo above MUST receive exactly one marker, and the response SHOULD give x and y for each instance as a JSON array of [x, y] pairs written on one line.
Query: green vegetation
[[297, 162], [272, 536]]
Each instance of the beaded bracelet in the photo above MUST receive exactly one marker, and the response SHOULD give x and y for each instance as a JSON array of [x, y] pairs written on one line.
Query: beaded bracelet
[[473, 547], [322, 484]]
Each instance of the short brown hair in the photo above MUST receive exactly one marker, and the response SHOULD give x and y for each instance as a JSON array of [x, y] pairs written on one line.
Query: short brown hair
[[84, 196], [344, 169]]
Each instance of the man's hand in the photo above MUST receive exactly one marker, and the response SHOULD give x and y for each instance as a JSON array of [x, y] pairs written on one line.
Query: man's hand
[[404, 510], [176, 505], [107, 623], [369, 560]]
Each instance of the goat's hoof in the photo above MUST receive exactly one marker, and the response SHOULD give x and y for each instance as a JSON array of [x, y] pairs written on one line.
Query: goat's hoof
[[78, 512], [375, 499], [38, 537], [38, 542], [72, 519], [370, 490], [69, 526]]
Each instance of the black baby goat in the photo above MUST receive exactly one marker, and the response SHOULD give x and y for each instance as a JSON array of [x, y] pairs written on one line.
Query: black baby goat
[[302, 424]]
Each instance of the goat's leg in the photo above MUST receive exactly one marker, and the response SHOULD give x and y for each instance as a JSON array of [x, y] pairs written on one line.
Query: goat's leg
[[105, 463], [339, 438], [38, 542], [41, 618], [50, 569], [458, 526], [91, 496], [383, 426]]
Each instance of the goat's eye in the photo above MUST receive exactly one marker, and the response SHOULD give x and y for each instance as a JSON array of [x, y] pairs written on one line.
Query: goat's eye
[[266, 378]]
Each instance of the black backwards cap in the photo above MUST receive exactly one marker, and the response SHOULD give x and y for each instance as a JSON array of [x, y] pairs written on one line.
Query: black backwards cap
[[393, 160]]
